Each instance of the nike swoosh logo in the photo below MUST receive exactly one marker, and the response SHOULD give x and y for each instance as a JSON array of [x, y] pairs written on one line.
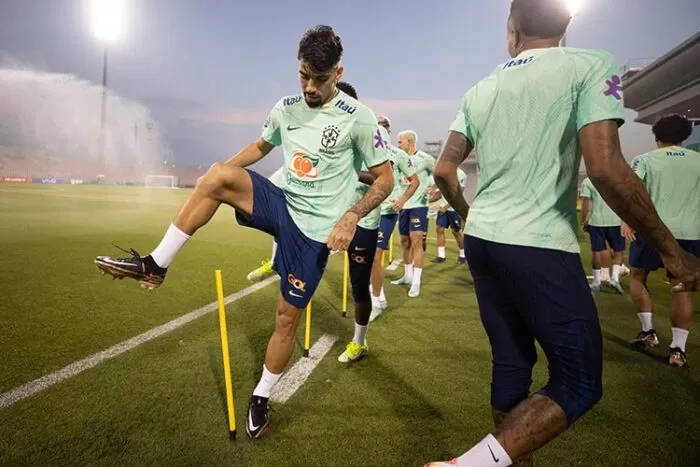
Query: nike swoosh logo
[[250, 423], [292, 128], [295, 295], [360, 249], [494, 457]]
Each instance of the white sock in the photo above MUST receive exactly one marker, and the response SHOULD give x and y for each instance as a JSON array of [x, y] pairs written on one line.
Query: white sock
[[679, 338], [488, 452], [596, 277], [382, 297], [461, 253], [274, 251], [360, 334], [605, 274], [441, 251], [267, 382], [616, 272], [417, 272], [172, 241], [645, 319], [408, 272]]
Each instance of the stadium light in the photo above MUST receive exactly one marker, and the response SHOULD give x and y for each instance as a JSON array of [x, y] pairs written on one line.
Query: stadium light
[[574, 7], [108, 19]]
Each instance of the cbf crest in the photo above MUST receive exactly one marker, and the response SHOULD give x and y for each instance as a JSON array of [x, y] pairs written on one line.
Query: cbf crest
[[329, 137]]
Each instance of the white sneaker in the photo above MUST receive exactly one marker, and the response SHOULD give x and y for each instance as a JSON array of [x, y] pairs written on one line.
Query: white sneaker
[[376, 313], [624, 270], [401, 281], [415, 291]]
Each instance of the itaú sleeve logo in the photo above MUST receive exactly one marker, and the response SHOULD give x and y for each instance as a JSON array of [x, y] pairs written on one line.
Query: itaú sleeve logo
[[303, 165], [296, 283]]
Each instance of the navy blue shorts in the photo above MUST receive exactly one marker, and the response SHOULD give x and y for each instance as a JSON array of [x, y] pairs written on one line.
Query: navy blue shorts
[[299, 261], [386, 228], [599, 235], [449, 219], [643, 256], [361, 252], [413, 220], [528, 294]]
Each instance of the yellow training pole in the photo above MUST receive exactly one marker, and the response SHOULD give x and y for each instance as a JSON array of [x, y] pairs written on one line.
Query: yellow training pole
[[391, 249], [224, 350], [346, 273], [307, 337]]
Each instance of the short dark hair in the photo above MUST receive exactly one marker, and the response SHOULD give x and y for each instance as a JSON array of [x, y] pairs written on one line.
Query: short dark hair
[[321, 48], [347, 88], [672, 129], [540, 18]]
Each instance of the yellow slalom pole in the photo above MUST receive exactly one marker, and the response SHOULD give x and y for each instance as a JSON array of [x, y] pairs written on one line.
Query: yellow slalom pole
[[391, 249], [224, 350], [346, 273], [307, 337]]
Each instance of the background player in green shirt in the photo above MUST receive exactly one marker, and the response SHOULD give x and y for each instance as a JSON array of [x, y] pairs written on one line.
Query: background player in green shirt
[[413, 217], [326, 136], [405, 185], [603, 226], [447, 217], [671, 174], [530, 121]]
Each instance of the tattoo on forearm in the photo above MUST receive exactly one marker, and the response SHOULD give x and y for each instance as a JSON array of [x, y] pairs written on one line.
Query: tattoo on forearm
[[620, 187], [378, 192]]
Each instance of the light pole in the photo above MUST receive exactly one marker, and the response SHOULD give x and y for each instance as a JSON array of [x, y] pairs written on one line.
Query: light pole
[[108, 24], [574, 7]]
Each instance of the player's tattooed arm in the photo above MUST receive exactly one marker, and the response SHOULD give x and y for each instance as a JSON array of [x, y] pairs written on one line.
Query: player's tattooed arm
[[454, 152], [251, 154], [620, 187], [378, 192]]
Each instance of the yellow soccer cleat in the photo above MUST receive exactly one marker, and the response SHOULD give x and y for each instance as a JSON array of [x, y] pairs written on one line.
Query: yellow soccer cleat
[[263, 272]]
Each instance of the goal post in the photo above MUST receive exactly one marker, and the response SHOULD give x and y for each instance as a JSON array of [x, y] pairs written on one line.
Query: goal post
[[161, 181]]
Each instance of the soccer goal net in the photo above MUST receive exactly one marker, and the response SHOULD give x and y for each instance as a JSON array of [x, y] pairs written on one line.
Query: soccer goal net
[[161, 181]]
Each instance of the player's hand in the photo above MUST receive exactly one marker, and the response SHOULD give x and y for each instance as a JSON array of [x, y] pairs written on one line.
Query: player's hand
[[685, 269], [627, 232], [343, 232], [398, 204], [584, 226]]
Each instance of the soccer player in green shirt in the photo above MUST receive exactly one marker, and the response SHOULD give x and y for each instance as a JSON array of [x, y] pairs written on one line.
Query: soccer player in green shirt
[[671, 174], [530, 121], [326, 136]]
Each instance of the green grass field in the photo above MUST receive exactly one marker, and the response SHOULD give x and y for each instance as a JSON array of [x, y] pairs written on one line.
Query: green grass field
[[421, 394]]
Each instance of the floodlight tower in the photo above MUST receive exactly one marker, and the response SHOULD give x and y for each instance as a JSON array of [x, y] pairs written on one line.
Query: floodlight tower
[[107, 17]]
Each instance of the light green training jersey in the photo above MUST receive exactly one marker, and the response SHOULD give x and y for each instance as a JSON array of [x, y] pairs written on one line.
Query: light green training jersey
[[524, 121], [323, 150], [601, 214], [424, 165], [403, 169], [462, 178], [672, 177]]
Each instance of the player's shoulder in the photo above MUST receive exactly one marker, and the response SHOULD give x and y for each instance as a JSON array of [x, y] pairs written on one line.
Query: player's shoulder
[[360, 112], [587, 60], [286, 103]]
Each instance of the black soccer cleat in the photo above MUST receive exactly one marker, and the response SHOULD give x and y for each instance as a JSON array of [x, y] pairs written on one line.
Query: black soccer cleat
[[461, 260], [677, 357], [438, 259], [258, 418], [143, 269], [646, 339]]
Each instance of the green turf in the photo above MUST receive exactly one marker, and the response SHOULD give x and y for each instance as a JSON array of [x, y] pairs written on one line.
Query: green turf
[[421, 394]]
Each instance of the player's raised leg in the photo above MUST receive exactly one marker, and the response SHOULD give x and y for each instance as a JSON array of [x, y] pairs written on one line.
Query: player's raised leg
[[266, 268], [224, 183]]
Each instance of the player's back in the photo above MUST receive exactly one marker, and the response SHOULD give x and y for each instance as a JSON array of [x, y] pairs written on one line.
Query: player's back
[[672, 177], [524, 120]]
